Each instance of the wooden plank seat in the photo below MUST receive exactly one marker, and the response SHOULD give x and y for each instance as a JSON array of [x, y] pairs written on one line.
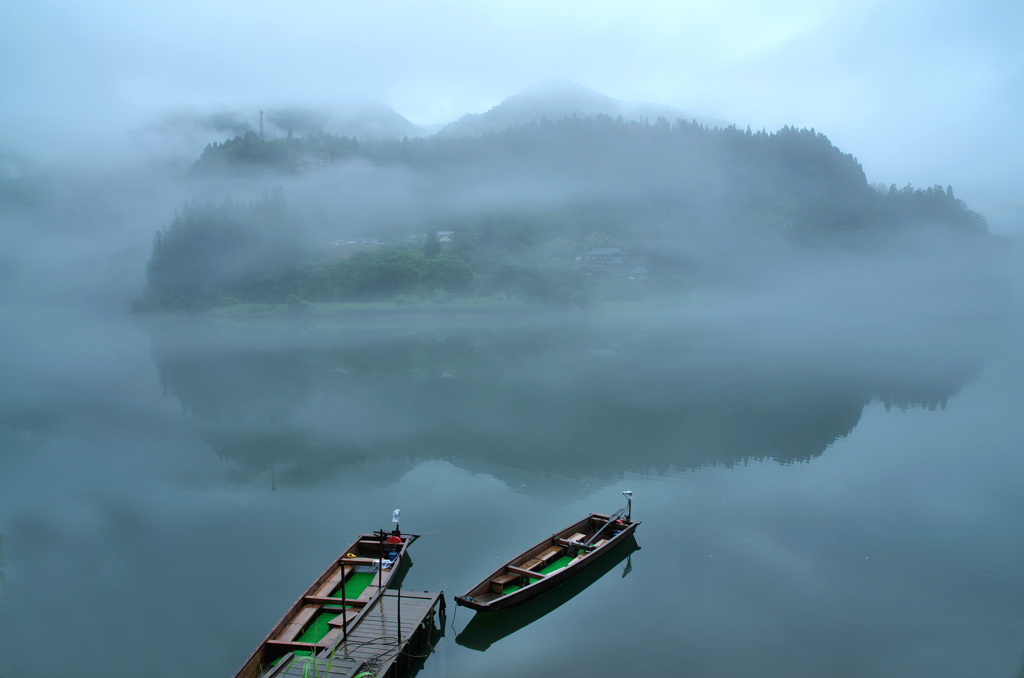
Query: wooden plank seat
[[294, 645], [499, 583], [336, 602], [358, 561], [297, 624], [553, 553], [524, 573], [332, 582]]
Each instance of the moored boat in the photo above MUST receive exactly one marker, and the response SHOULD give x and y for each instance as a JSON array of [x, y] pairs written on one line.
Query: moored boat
[[483, 630], [318, 619], [552, 561]]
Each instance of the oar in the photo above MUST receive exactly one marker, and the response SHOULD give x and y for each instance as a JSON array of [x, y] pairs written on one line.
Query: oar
[[610, 521], [628, 494]]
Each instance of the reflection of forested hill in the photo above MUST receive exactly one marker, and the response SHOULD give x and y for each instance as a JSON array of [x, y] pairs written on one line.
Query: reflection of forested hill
[[558, 399]]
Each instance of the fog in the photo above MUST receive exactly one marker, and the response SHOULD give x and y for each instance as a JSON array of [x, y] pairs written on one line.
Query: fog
[[711, 254], [918, 94]]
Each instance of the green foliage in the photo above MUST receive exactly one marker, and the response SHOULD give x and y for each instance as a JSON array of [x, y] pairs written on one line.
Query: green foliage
[[210, 251], [432, 245], [370, 275], [447, 273]]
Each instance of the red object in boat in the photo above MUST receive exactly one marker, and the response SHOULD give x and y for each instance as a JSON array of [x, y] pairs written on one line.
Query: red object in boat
[[393, 540]]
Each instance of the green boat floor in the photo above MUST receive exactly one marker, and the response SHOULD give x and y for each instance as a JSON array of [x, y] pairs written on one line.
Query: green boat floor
[[556, 565], [318, 629], [297, 653], [355, 585]]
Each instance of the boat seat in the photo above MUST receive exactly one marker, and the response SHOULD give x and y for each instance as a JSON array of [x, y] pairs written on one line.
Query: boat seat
[[552, 553], [499, 583], [332, 582], [295, 627]]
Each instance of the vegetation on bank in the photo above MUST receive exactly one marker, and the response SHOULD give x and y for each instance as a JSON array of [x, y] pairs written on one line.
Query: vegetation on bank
[[670, 202]]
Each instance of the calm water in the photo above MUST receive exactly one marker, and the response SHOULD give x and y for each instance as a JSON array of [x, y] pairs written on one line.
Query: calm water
[[814, 503]]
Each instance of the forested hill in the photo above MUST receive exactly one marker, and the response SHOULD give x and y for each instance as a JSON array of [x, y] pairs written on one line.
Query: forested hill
[[525, 212], [679, 172]]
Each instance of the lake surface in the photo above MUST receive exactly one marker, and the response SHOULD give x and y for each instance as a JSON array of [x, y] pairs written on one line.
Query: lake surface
[[843, 497]]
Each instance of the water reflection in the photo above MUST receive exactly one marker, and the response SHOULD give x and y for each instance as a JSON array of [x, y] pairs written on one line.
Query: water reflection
[[487, 628], [558, 397]]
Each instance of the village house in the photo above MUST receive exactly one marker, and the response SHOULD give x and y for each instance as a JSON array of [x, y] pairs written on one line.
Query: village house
[[604, 256]]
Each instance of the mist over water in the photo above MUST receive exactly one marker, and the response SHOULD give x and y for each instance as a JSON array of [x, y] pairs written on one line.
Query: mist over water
[[823, 441]]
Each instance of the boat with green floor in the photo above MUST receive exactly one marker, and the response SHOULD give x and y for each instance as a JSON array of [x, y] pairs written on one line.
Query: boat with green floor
[[334, 601], [551, 562], [483, 630]]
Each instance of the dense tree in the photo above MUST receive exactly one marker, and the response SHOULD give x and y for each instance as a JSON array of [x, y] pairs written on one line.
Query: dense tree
[[211, 251], [431, 245]]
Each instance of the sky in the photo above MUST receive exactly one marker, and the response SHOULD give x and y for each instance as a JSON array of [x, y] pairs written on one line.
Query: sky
[[920, 92]]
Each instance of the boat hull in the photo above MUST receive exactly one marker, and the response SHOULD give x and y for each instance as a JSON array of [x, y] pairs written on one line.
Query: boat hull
[[481, 599]]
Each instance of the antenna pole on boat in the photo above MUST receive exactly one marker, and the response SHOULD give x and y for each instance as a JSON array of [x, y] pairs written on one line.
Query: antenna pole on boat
[[344, 606], [629, 504]]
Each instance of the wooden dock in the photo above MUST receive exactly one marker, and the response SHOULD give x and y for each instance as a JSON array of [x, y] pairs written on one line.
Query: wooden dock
[[386, 640]]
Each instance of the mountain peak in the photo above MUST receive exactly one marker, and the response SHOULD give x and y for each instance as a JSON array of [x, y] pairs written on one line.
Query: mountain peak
[[555, 100]]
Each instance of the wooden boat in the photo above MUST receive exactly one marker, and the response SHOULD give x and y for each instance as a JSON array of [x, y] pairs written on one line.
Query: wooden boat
[[483, 630], [317, 619], [551, 562]]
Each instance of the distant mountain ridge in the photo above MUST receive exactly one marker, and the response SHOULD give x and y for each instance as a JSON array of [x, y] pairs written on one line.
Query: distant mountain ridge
[[553, 100], [560, 99], [367, 121]]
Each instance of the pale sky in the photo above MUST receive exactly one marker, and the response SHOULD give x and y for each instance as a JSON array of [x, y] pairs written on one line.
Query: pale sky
[[919, 92]]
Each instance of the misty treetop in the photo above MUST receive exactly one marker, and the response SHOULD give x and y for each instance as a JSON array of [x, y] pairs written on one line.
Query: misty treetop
[[250, 152], [211, 251], [673, 176]]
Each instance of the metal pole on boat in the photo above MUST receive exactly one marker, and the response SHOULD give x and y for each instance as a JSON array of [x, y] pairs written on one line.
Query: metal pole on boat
[[380, 564], [629, 504], [344, 606]]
